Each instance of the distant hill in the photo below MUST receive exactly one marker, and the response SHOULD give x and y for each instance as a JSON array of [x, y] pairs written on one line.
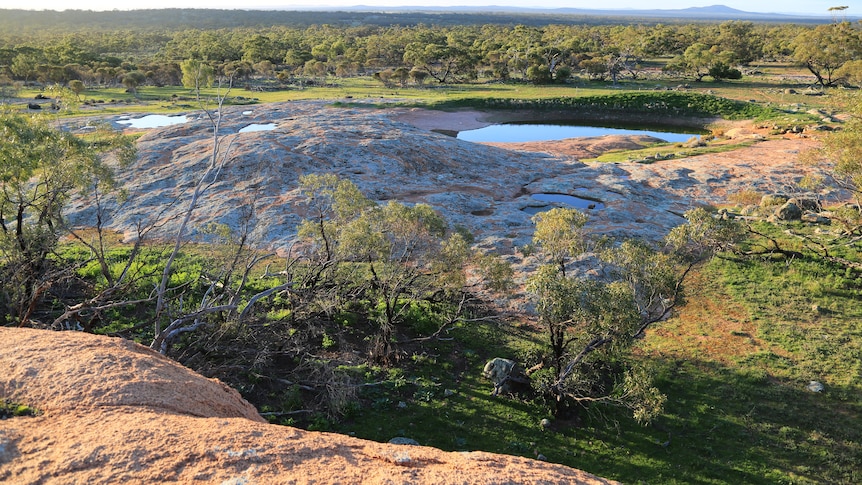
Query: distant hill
[[713, 12], [20, 22]]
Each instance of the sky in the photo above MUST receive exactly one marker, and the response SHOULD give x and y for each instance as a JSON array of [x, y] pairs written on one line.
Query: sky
[[817, 7]]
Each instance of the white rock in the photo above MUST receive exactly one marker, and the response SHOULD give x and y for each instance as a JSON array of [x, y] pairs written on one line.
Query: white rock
[[815, 386]]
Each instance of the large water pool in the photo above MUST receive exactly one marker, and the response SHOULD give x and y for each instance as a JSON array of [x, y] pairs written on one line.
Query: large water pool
[[526, 132]]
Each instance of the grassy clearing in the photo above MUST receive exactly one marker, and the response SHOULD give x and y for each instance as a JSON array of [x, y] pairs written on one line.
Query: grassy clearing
[[665, 151], [767, 91]]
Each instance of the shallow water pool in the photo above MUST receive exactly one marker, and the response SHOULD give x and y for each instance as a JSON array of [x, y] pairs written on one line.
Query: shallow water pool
[[154, 121], [257, 127]]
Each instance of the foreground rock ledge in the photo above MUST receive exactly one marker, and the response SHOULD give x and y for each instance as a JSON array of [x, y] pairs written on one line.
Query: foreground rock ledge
[[116, 412]]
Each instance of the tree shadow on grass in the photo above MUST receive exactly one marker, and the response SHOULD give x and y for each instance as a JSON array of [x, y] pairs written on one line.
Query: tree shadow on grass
[[723, 425]]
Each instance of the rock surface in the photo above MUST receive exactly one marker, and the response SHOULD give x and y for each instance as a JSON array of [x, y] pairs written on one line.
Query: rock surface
[[397, 154], [115, 412]]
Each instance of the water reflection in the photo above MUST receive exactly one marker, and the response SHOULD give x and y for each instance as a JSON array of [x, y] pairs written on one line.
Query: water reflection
[[526, 132], [257, 127], [154, 121]]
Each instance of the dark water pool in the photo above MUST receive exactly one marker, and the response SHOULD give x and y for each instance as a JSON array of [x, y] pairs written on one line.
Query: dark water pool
[[569, 200], [525, 132]]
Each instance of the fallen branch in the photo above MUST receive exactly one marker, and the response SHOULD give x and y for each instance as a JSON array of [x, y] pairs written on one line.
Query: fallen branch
[[164, 338], [286, 413]]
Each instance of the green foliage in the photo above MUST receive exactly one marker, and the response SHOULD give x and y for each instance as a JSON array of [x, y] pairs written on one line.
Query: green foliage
[[851, 72], [661, 105], [394, 255], [703, 235], [843, 149], [10, 409], [560, 233], [728, 417], [328, 342], [496, 272], [720, 71], [271, 51], [826, 48], [39, 167], [197, 74], [746, 420], [591, 324]]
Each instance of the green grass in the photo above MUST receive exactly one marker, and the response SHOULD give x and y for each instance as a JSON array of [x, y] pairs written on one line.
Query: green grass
[[665, 150], [735, 374], [730, 99], [661, 104], [11, 409]]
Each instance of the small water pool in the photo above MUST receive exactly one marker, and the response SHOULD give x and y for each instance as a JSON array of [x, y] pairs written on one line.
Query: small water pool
[[569, 200], [154, 121], [526, 132], [257, 127]]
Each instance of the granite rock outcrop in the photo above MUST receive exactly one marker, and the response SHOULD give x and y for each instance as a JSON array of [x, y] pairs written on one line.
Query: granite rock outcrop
[[112, 411], [481, 187]]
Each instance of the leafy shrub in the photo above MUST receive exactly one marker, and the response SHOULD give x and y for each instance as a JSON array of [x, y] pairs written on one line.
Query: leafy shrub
[[420, 317], [722, 71], [496, 272], [9, 409]]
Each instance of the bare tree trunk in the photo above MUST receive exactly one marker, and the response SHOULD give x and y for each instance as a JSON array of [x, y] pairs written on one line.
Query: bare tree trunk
[[216, 163]]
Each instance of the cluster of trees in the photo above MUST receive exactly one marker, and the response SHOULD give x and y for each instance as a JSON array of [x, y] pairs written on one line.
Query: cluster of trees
[[396, 270], [445, 54]]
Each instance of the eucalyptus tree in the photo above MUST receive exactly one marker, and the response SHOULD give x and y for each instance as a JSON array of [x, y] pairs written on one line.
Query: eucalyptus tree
[[824, 49], [490, 51], [134, 79], [627, 48], [197, 74], [25, 65], [851, 72], [261, 48], [778, 41], [841, 153], [520, 46], [385, 48], [701, 60], [77, 87], [40, 167], [442, 62], [204, 45], [591, 323], [390, 255], [742, 39], [665, 40]]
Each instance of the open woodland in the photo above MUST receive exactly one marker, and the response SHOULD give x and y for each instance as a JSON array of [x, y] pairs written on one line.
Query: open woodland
[[728, 351]]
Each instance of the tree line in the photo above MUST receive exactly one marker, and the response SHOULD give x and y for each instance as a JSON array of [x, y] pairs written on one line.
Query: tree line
[[423, 53]]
